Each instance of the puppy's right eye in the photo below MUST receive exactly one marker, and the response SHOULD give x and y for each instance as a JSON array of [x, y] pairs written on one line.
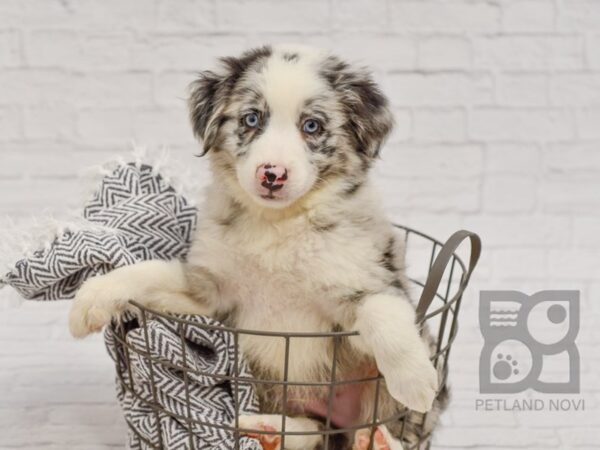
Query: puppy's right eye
[[251, 120]]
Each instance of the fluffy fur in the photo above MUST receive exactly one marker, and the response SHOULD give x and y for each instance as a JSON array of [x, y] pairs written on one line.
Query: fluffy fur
[[319, 256]]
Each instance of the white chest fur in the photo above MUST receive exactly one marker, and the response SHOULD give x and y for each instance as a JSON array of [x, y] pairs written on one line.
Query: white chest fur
[[289, 277], [275, 280]]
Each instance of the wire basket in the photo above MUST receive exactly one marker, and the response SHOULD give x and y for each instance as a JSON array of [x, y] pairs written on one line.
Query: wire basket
[[438, 278]]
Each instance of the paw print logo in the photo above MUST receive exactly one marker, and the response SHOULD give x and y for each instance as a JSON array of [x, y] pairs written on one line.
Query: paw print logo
[[523, 332], [505, 367]]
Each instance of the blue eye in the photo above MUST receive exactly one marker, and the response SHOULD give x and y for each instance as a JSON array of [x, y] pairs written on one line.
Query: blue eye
[[251, 120], [311, 126]]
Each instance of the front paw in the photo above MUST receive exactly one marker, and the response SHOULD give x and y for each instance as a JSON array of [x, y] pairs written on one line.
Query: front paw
[[268, 423], [414, 384], [92, 307]]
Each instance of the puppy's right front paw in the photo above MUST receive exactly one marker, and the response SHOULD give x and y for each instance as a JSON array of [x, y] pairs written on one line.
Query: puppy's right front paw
[[91, 308]]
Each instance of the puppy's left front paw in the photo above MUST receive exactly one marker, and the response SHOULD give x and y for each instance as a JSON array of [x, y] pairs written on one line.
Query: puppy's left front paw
[[382, 439], [414, 384], [261, 423]]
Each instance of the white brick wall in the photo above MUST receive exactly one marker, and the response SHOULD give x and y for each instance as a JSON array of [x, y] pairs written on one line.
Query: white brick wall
[[498, 110]]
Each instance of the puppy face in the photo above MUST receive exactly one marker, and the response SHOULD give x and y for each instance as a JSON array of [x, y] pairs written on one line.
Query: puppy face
[[281, 123]]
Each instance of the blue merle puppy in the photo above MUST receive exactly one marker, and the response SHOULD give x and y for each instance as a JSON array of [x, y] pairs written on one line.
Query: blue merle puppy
[[292, 239]]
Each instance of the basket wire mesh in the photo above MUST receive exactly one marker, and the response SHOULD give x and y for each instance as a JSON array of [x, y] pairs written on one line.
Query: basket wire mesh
[[439, 314]]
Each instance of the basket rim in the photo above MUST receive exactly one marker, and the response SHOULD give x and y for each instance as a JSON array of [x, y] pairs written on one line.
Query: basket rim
[[181, 318]]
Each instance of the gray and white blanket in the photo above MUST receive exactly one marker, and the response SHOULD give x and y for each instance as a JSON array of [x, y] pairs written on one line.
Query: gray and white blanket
[[136, 215]]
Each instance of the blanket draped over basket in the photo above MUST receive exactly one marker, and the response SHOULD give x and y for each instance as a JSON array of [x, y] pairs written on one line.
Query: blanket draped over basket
[[134, 216]]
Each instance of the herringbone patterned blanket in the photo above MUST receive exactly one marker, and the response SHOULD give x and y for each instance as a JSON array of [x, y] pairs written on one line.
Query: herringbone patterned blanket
[[135, 215]]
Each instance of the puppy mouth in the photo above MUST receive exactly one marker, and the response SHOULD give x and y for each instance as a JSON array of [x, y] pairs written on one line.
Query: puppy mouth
[[270, 196], [271, 190], [274, 199], [271, 187]]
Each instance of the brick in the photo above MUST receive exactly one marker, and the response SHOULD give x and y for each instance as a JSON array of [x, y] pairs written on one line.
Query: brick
[[445, 52], [264, 15], [426, 161], [472, 418], [113, 89], [575, 89], [512, 158], [49, 86], [580, 436], [522, 231], [63, 435], [12, 418], [133, 14], [175, 15], [89, 15], [24, 86], [10, 123], [593, 55], [498, 124], [440, 125], [578, 15], [31, 159], [586, 231], [588, 121], [439, 89], [528, 16], [571, 196], [593, 294], [51, 122], [184, 52], [458, 16], [54, 13], [172, 88], [23, 197], [10, 11], [10, 52], [359, 15], [509, 194], [375, 51], [519, 264], [529, 52], [522, 90], [467, 437], [577, 264], [318, 40], [429, 195], [566, 160], [162, 127], [105, 125], [71, 49]]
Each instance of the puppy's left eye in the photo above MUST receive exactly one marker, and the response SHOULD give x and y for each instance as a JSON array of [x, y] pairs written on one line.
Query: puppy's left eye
[[311, 126], [251, 120]]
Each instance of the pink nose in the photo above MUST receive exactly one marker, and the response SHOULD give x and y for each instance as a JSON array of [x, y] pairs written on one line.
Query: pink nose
[[271, 177]]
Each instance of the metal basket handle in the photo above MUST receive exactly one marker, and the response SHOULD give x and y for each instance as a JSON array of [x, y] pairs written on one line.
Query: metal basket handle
[[439, 266]]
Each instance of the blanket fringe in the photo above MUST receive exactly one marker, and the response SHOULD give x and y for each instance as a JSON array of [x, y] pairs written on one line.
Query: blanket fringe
[[20, 239], [173, 172]]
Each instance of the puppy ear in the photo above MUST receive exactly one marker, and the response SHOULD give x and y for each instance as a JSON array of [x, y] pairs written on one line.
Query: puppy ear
[[206, 104], [369, 119], [209, 95]]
